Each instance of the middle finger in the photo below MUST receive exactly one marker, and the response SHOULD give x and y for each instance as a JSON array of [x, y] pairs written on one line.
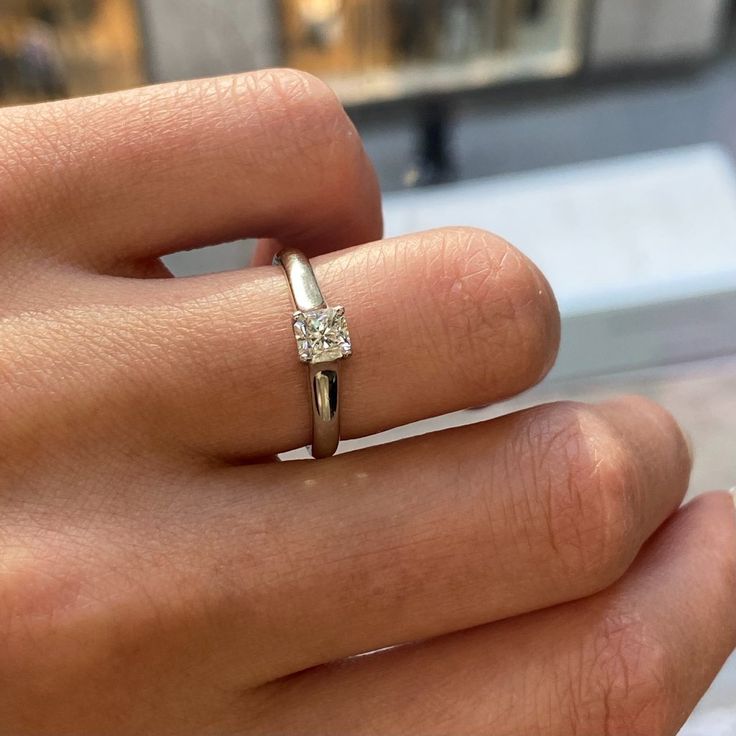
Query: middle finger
[[262, 571], [463, 527]]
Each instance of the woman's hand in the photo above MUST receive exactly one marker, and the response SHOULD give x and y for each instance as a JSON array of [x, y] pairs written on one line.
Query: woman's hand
[[160, 574]]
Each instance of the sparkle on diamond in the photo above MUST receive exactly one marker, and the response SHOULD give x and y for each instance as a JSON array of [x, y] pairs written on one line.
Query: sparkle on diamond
[[322, 335]]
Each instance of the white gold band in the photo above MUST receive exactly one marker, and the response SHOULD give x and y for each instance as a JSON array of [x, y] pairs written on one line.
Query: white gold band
[[322, 341]]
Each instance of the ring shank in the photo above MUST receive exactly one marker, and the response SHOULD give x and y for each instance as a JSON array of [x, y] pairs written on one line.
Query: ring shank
[[324, 381], [305, 291], [324, 378]]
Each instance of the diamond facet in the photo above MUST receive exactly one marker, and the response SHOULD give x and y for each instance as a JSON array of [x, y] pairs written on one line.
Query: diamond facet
[[322, 335]]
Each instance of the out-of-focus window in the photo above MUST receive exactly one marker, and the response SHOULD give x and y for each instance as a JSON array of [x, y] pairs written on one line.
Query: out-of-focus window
[[371, 50], [60, 48]]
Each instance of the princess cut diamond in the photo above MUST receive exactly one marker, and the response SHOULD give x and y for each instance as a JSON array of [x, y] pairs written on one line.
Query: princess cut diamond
[[322, 335]]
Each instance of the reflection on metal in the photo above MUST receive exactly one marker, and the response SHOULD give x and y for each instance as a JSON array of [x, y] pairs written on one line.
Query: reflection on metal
[[325, 393], [323, 382], [59, 48], [372, 50]]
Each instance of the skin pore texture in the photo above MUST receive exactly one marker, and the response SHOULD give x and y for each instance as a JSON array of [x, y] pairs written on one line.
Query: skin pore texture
[[161, 573]]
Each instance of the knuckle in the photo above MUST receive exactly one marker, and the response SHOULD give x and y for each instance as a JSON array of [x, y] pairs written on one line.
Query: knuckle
[[666, 427], [588, 482], [298, 93], [34, 595], [496, 302], [301, 112], [625, 679]]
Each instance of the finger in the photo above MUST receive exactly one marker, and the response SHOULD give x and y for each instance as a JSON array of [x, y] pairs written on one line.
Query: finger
[[462, 527], [145, 172], [288, 566], [633, 660], [255, 572], [285, 566], [439, 321]]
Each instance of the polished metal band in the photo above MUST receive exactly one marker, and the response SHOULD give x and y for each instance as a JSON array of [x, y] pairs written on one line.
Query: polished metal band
[[324, 376]]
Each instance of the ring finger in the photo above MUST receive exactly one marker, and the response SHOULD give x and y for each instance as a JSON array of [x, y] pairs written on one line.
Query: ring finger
[[439, 321]]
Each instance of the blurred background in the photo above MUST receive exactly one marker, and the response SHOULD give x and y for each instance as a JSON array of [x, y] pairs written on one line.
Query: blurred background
[[597, 135]]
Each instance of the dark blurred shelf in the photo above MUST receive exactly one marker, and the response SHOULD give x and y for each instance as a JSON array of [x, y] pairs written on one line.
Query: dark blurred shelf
[[538, 126]]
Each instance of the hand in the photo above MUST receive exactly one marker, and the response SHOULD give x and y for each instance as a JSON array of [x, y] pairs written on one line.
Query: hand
[[160, 574]]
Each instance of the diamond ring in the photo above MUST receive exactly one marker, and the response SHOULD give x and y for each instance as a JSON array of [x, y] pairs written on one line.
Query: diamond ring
[[322, 341]]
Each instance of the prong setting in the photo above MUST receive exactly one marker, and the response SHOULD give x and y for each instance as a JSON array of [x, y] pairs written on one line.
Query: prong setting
[[321, 334]]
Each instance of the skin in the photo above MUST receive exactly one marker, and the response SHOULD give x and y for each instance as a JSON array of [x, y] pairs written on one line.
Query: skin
[[161, 574]]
